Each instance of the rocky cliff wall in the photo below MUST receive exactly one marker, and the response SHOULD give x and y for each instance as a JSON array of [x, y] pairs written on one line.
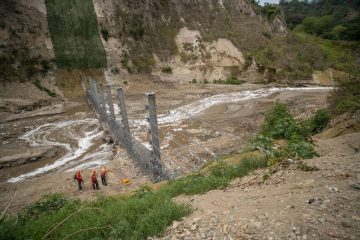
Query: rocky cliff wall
[[149, 35], [146, 36], [26, 47]]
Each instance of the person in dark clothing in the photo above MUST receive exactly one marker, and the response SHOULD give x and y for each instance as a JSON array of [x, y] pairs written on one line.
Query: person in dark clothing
[[103, 174], [79, 179]]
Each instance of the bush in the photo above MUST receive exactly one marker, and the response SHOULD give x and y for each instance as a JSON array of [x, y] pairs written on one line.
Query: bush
[[319, 121], [30, 66], [270, 11], [105, 34], [143, 191], [298, 147], [48, 204], [45, 65], [166, 70], [263, 142], [279, 123], [233, 81], [44, 89], [346, 98]]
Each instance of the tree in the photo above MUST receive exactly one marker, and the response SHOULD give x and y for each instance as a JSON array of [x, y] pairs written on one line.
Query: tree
[[317, 25], [337, 32]]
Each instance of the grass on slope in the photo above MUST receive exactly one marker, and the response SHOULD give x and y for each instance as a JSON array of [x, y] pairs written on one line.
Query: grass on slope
[[146, 213], [341, 55], [74, 32]]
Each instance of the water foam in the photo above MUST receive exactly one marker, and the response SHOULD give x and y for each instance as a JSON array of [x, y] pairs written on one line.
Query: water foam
[[38, 136], [192, 109]]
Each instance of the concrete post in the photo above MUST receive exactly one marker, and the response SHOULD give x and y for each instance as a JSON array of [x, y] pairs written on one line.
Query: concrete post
[[110, 102], [154, 134], [94, 88], [102, 96], [90, 86], [124, 117]]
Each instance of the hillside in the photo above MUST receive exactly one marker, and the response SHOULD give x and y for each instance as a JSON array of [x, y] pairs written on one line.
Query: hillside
[[330, 19], [178, 41]]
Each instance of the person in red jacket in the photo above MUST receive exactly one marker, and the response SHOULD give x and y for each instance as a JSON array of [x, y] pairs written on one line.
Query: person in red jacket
[[94, 181], [79, 179]]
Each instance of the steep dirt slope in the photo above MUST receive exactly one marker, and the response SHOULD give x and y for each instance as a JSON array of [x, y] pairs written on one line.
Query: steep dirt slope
[[291, 204], [200, 40], [25, 42]]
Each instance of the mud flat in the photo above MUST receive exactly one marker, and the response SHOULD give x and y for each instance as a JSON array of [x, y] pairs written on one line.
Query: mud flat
[[11, 159], [42, 112]]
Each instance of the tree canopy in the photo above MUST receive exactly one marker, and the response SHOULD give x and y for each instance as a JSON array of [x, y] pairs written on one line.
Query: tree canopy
[[331, 19]]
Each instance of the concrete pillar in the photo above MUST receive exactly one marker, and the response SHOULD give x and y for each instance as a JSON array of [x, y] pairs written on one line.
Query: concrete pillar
[[102, 96], [154, 133], [124, 117], [90, 86], [94, 89], [110, 102]]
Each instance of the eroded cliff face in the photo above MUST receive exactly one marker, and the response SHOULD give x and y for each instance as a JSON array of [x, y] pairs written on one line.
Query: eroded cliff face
[[26, 47], [26, 57], [198, 59], [197, 39], [203, 39]]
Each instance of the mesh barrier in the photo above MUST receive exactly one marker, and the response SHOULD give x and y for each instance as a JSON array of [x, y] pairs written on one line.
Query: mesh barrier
[[143, 156]]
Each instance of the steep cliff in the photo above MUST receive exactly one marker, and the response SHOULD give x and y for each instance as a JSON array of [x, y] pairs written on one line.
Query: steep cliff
[[203, 39], [25, 45], [177, 40]]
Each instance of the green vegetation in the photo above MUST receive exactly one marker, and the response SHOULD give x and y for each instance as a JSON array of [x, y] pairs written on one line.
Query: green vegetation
[[122, 218], [30, 66], [341, 55], [105, 34], [331, 19], [230, 81], [346, 97], [280, 125], [167, 70], [44, 89], [48, 204], [299, 54], [75, 35], [318, 122], [270, 11], [147, 213], [45, 65]]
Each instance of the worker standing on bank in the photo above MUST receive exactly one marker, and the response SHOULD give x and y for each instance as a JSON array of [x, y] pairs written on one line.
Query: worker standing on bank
[[94, 181], [79, 179], [103, 174]]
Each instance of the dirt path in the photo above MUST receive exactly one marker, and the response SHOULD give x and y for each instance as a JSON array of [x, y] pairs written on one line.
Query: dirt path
[[291, 204]]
